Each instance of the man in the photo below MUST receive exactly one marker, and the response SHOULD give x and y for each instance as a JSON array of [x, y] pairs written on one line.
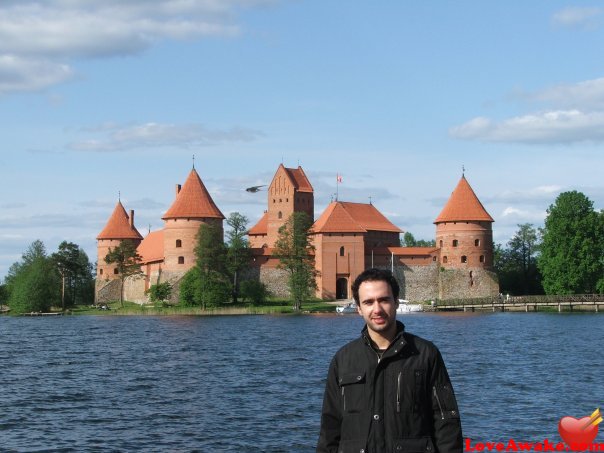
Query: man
[[389, 390]]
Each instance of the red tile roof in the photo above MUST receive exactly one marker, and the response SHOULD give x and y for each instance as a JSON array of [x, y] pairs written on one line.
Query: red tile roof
[[299, 179], [152, 247], [463, 205], [118, 226], [345, 217], [261, 226], [408, 251], [193, 201]]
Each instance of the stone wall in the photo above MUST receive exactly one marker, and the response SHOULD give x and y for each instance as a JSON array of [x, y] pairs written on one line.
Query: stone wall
[[107, 291], [418, 283], [467, 283], [275, 281]]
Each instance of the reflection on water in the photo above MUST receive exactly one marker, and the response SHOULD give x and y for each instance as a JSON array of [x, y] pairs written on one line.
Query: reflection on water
[[255, 383]]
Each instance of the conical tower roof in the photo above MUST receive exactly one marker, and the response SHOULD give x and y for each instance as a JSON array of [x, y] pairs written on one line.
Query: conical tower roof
[[193, 201], [463, 206], [118, 226]]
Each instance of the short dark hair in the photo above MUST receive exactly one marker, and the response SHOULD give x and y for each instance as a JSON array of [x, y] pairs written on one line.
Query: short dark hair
[[375, 275]]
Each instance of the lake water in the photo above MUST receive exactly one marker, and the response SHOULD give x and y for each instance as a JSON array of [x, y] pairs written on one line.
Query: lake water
[[255, 383]]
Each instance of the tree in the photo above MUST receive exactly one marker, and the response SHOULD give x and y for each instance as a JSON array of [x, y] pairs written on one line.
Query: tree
[[238, 250], [572, 247], [214, 286], [127, 261], [75, 270], [516, 265], [410, 241], [33, 282], [296, 256]]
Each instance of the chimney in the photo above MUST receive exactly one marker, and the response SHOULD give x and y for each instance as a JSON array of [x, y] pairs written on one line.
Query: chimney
[[177, 189], [131, 218]]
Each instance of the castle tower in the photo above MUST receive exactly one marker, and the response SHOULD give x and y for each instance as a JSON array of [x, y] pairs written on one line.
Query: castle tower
[[193, 206], [119, 227], [290, 191], [464, 231]]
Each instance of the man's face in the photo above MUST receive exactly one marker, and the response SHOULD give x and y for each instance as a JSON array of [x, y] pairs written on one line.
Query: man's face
[[377, 306]]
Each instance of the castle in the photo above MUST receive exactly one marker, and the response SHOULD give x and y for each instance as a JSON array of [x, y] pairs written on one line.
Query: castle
[[348, 238]]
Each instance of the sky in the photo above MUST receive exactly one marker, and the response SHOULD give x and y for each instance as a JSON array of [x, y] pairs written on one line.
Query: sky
[[101, 99]]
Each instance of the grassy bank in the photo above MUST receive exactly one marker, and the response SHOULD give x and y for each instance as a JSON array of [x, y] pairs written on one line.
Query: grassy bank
[[271, 307]]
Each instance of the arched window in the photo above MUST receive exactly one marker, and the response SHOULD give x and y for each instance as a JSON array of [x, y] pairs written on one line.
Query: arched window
[[100, 271], [178, 243], [482, 258], [181, 260], [441, 243], [342, 251], [476, 242], [444, 259], [464, 259], [115, 271], [455, 242], [279, 215]]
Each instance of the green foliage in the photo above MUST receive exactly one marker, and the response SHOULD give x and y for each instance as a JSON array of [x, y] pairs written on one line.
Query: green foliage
[[409, 240], [572, 246], [127, 261], [34, 283], [159, 292], [238, 250], [296, 256], [516, 265], [189, 289], [77, 283], [213, 287], [254, 291]]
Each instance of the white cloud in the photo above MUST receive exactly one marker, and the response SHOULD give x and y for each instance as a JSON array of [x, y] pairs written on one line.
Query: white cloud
[[154, 135], [38, 40], [549, 127], [585, 95], [523, 215], [577, 17]]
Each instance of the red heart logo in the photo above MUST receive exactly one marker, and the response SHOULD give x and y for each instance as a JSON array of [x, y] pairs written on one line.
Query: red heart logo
[[577, 433]]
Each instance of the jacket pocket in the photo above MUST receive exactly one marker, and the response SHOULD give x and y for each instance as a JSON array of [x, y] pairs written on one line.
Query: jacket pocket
[[352, 391], [444, 399], [416, 445]]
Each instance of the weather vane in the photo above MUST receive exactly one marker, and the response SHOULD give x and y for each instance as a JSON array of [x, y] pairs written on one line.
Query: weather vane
[[193, 161]]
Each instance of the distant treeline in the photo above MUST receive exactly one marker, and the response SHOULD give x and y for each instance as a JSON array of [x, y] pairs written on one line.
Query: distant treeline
[[566, 256]]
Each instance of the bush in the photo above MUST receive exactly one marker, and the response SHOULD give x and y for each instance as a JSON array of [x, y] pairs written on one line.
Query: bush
[[160, 292], [254, 291], [189, 289]]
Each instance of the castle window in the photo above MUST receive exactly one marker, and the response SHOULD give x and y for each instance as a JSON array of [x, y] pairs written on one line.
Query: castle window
[[115, 271], [279, 215], [455, 243], [464, 259], [287, 200], [181, 260], [441, 243], [433, 258], [100, 271], [482, 258], [280, 200], [444, 259], [178, 243], [476, 242], [342, 251]]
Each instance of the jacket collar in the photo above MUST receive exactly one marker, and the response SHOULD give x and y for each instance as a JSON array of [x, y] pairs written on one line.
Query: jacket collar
[[399, 339]]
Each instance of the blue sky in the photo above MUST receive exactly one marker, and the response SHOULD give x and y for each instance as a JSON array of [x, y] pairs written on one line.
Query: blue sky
[[100, 97]]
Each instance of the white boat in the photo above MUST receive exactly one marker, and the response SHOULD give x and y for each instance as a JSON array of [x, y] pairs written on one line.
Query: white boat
[[405, 307], [350, 307]]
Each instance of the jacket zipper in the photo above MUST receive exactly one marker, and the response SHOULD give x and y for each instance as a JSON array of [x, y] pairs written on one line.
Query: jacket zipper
[[344, 398], [442, 414], [398, 392]]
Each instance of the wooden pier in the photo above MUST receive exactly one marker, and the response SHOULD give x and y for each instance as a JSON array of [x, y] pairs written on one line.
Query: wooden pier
[[583, 302]]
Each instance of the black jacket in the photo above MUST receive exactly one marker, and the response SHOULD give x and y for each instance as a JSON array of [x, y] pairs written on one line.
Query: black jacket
[[401, 403]]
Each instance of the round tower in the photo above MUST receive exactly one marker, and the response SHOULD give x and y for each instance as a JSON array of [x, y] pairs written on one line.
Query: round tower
[[119, 227], [464, 231], [192, 207]]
